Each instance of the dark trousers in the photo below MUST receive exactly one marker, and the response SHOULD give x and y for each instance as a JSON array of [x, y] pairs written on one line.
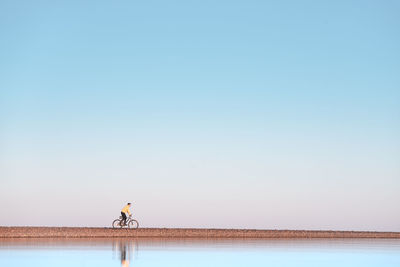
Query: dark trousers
[[123, 217]]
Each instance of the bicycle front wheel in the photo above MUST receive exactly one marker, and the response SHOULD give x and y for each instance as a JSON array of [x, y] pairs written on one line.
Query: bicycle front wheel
[[116, 223], [133, 224]]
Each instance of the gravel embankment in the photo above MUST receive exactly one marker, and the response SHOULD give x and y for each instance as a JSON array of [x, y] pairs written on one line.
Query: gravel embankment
[[78, 232]]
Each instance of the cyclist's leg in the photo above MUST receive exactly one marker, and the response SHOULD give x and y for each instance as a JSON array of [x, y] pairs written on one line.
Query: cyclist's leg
[[123, 218]]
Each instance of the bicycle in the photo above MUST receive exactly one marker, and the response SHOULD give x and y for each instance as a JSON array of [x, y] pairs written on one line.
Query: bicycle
[[130, 223]]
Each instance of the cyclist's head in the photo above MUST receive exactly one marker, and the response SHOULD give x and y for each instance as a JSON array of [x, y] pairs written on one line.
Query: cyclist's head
[[129, 203]]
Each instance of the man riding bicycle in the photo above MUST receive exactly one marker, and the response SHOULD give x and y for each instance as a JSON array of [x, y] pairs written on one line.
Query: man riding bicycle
[[124, 211]]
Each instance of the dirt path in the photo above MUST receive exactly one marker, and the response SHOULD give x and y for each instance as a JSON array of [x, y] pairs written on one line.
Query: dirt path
[[34, 232]]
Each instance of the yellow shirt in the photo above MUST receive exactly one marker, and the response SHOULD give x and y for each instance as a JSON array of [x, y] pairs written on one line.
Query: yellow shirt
[[126, 209]]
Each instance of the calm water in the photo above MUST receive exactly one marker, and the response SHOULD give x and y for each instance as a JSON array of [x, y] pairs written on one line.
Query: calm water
[[150, 252]]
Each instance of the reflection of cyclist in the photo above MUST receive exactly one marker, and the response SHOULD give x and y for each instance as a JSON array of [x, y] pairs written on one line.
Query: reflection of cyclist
[[124, 211], [124, 252]]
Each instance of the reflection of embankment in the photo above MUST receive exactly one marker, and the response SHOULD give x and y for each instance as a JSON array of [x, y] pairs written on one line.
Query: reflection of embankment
[[32, 232]]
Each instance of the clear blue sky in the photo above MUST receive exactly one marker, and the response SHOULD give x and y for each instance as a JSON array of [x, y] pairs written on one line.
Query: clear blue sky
[[254, 114]]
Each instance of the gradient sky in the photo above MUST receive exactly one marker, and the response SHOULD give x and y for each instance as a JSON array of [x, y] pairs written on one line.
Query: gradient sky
[[237, 114]]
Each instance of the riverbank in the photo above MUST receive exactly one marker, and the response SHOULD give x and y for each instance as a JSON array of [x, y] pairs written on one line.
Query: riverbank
[[86, 232]]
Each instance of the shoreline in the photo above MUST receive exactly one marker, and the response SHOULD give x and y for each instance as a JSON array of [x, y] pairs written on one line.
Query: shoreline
[[97, 232]]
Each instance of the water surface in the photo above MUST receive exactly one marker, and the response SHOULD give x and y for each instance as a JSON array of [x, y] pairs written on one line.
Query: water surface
[[203, 252]]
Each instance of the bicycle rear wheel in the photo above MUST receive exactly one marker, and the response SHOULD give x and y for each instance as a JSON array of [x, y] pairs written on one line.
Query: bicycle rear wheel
[[116, 223], [133, 224]]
